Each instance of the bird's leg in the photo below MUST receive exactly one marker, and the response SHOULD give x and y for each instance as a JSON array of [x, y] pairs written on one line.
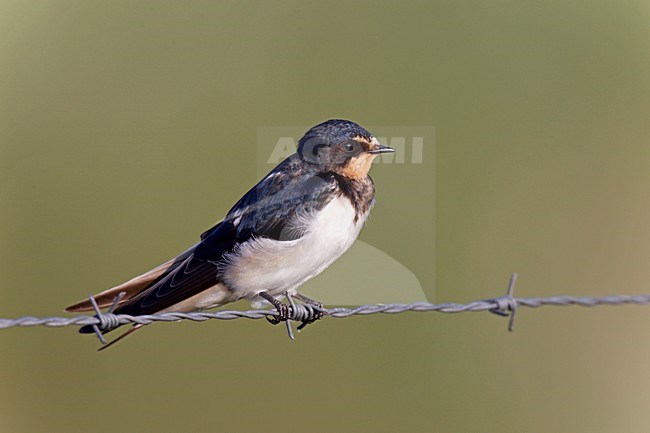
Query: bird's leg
[[307, 300], [283, 309]]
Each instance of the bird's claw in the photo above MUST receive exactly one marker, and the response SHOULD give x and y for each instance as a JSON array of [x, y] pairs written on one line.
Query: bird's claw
[[283, 314], [306, 313]]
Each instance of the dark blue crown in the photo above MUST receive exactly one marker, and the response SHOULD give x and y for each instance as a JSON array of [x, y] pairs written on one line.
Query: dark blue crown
[[331, 132]]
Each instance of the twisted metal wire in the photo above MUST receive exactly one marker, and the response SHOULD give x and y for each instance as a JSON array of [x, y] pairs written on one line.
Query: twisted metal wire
[[504, 305]]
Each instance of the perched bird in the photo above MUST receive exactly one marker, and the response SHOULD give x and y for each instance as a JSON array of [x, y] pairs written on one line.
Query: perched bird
[[288, 228]]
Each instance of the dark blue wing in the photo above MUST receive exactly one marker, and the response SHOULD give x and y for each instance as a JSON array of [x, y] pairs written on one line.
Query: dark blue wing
[[273, 207], [189, 278]]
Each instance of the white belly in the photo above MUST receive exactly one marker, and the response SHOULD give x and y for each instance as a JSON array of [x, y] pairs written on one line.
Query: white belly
[[278, 266]]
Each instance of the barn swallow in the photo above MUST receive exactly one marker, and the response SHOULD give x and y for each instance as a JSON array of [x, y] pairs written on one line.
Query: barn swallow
[[287, 229]]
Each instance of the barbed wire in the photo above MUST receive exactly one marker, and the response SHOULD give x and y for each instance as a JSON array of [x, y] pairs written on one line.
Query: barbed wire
[[506, 305]]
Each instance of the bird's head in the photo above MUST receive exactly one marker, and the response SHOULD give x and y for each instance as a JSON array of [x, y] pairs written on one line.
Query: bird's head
[[342, 147]]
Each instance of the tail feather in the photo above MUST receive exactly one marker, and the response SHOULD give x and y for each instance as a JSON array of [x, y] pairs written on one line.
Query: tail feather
[[131, 288]]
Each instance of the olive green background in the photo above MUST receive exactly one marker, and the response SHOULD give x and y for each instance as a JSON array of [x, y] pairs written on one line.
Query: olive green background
[[128, 127]]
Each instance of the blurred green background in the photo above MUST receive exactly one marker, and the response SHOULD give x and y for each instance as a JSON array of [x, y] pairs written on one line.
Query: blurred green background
[[127, 128]]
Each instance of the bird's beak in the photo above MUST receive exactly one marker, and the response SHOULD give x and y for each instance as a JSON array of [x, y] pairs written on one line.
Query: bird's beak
[[380, 148]]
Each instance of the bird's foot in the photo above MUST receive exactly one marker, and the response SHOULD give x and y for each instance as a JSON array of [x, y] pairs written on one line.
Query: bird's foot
[[306, 313], [283, 309]]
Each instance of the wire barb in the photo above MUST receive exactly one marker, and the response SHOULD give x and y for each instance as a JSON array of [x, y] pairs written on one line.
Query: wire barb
[[507, 305], [106, 321], [305, 313]]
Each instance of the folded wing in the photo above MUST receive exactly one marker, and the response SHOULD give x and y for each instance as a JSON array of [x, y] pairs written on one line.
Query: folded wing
[[270, 209]]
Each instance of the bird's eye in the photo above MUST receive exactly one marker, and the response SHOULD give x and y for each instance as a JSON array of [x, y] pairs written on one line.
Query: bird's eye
[[348, 146]]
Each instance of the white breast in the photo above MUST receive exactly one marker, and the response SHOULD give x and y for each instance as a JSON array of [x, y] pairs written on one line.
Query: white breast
[[277, 266]]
